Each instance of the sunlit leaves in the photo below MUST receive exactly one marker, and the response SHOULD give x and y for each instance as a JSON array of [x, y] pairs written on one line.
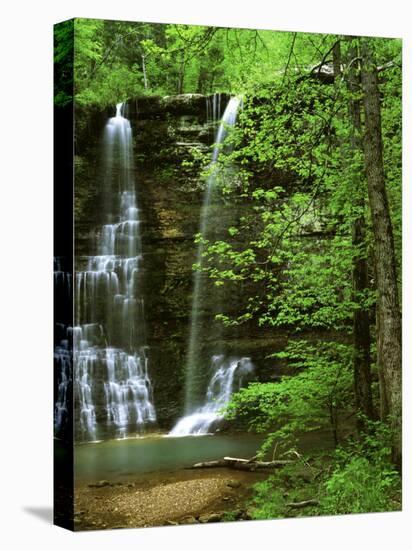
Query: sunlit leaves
[[314, 397]]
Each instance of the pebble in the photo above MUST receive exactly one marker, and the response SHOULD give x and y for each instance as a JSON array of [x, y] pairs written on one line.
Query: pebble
[[234, 484], [188, 521], [210, 518]]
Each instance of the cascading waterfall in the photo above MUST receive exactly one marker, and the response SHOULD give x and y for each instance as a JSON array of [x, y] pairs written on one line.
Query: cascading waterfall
[[63, 361], [199, 419], [62, 347], [110, 354], [228, 376]]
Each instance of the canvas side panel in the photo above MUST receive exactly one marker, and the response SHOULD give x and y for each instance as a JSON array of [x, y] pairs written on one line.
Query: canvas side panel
[[63, 274]]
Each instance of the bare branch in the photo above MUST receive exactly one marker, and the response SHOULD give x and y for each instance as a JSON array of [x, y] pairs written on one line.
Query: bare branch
[[303, 503]]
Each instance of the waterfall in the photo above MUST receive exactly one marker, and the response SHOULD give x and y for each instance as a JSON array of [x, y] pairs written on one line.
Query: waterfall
[[62, 347], [113, 392], [63, 363], [228, 375], [193, 370], [213, 108], [200, 418]]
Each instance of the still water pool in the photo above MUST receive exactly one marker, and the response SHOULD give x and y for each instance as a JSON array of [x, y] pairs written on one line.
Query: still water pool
[[120, 459]]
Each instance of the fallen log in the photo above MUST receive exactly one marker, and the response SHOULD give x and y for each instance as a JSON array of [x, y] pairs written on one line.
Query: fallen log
[[242, 464], [303, 503]]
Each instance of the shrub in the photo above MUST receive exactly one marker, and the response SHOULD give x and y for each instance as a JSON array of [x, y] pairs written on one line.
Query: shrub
[[361, 486], [364, 480]]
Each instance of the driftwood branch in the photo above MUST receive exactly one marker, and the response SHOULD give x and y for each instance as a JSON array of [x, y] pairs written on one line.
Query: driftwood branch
[[303, 503], [388, 65], [243, 464]]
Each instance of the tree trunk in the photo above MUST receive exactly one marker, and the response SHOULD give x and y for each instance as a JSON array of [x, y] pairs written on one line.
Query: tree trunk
[[243, 464], [181, 77], [389, 348], [361, 325], [337, 61], [145, 80]]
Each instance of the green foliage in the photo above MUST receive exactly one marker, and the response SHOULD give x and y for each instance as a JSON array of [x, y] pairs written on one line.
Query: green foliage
[[63, 63], [295, 482], [294, 135], [357, 478], [293, 246], [105, 73], [317, 395], [229, 515], [363, 479], [268, 501], [168, 59], [359, 487]]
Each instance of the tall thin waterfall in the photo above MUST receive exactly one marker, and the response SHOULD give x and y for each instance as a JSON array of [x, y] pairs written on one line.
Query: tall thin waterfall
[[193, 362], [110, 353], [225, 372]]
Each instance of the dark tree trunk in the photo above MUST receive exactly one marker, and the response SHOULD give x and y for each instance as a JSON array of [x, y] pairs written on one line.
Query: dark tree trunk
[[336, 55], [361, 324], [389, 348], [181, 77]]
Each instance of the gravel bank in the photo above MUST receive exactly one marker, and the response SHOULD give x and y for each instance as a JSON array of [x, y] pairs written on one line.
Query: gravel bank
[[180, 497]]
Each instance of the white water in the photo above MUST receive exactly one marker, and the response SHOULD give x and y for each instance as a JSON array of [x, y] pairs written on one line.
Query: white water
[[62, 360], [193, 368], [110, 356], [213, 108], [62, 349], [227, 377], [226, 374]]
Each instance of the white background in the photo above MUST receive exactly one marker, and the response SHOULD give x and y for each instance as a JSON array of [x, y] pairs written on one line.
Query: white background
[[26, 280]]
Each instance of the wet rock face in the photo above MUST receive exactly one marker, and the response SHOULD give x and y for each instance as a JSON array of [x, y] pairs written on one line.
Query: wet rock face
[[175, 105], [169, 196]]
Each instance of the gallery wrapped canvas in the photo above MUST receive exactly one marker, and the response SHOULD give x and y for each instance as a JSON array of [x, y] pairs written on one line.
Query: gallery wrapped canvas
[[227, 274]]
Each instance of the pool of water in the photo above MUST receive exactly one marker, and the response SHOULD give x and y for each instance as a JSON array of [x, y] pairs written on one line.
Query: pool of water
[[120, 459]]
